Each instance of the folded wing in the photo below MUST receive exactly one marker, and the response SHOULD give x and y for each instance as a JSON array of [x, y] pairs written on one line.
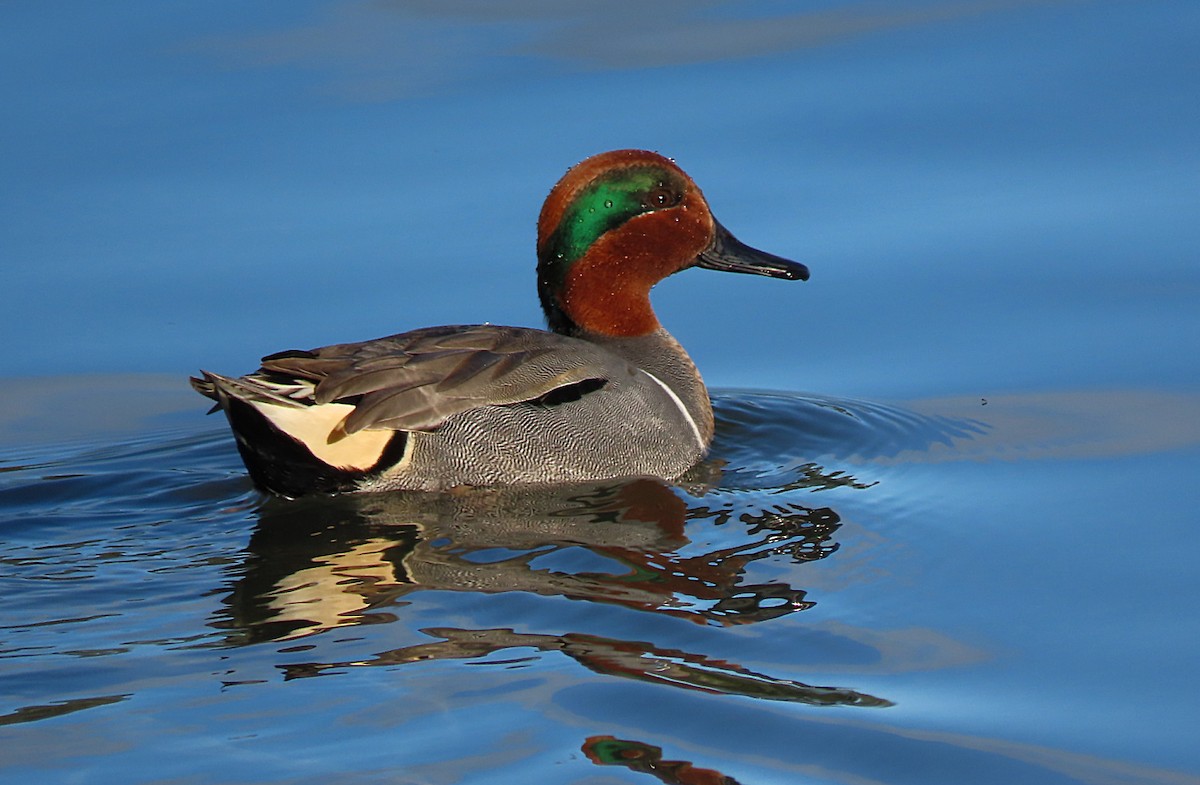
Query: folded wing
[[415, 381]]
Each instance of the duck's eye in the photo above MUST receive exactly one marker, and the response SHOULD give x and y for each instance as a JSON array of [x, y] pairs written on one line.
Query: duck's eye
[[663, 197]]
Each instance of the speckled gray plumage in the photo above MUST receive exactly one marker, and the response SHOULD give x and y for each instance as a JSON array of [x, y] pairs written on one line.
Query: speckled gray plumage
[[478, 404], [629, 427]]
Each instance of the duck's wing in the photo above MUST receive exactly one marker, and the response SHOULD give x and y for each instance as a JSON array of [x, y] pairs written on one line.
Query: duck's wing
[[416, 380]]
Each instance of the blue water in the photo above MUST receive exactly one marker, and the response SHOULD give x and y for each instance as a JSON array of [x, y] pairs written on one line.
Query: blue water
[[955, 544]]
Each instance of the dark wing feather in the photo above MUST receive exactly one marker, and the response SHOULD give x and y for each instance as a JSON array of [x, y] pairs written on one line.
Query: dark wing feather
[[416, 380]]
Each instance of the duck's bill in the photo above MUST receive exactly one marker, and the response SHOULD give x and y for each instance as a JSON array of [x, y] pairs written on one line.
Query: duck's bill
[[731, 255]]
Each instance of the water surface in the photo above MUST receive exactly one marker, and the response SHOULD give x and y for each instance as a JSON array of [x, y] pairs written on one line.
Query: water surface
[[840, 576]]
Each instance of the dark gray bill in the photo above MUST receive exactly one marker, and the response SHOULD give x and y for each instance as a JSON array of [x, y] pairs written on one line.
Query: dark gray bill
[[733, 256]]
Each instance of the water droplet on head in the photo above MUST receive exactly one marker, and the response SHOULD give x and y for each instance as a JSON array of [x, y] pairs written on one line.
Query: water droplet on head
[[608, 203]]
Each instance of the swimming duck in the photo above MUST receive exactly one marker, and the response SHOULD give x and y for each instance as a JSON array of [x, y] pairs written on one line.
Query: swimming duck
[[607, 393]]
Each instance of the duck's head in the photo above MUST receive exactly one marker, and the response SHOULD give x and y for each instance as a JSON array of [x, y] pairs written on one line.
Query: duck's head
[[618, 223]]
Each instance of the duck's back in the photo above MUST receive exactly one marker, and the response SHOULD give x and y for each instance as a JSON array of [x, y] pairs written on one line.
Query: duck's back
[[466, 405]]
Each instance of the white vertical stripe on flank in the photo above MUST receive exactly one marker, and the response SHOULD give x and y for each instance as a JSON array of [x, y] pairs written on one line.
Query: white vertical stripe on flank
[[687, 415]]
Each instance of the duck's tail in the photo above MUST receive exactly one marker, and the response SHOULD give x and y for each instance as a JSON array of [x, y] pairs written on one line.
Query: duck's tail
[[293, 446]]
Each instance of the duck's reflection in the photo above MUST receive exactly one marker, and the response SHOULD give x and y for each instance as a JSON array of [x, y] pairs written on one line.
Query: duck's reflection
[[647, 759], [636, 660], [339, 561], [320, 564]]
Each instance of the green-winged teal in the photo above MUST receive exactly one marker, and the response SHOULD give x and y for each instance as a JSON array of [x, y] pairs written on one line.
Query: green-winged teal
[[609, 393]]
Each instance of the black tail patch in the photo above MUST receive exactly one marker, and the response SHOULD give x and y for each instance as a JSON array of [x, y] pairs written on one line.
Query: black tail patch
[[279, 464]]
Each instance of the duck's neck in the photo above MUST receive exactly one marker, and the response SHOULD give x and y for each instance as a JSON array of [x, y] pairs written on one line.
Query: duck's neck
[[599, 297], [614, 311], [660, 355], [606, 290]]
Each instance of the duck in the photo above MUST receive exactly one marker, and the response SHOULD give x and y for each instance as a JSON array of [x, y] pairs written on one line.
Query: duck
[[605, 392]]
